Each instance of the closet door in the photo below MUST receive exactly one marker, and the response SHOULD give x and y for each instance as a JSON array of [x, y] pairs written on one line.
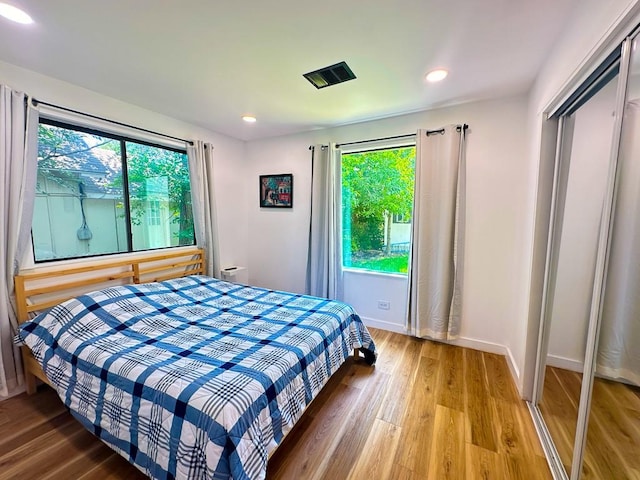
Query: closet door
[[586, 143], [612, 447], [586, 403]]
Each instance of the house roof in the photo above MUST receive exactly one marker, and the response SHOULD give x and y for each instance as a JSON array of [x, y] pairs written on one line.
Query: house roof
[[97, 169], [209, 62]]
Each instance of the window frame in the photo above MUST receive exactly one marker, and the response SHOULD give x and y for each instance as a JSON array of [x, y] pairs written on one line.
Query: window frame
[[123, 139], [374, 146]]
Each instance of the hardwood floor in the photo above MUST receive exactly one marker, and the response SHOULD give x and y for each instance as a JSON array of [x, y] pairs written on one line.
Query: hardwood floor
[[559, 408], [425, 411], [613, 436]]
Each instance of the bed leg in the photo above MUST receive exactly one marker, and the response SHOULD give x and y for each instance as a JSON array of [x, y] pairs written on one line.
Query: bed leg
[[30, 380], [356, 353]]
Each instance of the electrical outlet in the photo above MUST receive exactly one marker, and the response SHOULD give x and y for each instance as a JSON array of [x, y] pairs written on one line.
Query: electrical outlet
[[384, 304]]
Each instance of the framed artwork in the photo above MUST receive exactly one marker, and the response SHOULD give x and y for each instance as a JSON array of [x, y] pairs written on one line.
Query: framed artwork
[[276, 191]]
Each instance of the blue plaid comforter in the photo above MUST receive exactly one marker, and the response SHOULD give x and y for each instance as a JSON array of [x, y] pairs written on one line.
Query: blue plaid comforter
[[193, 377]]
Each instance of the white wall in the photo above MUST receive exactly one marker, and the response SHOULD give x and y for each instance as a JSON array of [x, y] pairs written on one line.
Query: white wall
[[364, 289], [272, 243], [587, 39], [231, 195], [504, 147], [496, 196]]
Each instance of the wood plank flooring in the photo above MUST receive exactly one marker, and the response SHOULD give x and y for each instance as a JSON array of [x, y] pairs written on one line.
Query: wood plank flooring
[[425, 411], [559, 408], [613, 436]]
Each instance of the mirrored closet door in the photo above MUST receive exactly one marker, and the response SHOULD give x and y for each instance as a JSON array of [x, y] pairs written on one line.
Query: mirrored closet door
[[612, 448], [587, 397], [586, 138]]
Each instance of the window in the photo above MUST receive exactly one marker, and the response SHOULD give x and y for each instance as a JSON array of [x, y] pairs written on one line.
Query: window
[[401, 218], [99, 193], [377, 202], [153, 216]]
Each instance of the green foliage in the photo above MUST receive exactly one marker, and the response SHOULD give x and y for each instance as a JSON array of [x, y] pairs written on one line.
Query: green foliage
[[366, 233], [376, 184], [147, 166], [380, 181], [393, 264], [65, 155], [71, 157]]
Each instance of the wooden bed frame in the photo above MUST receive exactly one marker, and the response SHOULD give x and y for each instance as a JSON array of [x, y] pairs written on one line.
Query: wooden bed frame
[[38, 290]]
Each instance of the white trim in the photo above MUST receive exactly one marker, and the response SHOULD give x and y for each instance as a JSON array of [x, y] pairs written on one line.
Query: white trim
[[373, 273], [515, 372], [475, 344], [381, 324], [565, 363], [408, 140], [550, 452], [622, 27]]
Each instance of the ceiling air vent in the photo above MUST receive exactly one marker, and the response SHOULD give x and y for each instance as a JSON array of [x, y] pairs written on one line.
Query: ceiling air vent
[[327, 76]]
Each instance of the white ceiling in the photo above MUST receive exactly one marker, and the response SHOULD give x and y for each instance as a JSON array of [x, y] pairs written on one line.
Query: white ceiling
[[208, 62]]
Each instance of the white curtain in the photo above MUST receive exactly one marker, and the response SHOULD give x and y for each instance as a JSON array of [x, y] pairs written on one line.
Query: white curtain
[[203, 198], [324, 263], [618, 352], [437, 247], [18, 170]]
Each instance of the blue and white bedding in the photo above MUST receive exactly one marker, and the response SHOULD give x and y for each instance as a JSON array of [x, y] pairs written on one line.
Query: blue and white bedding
[[193, 377]]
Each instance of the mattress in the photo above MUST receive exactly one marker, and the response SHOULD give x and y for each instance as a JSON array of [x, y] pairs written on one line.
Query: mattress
[[193, 377]]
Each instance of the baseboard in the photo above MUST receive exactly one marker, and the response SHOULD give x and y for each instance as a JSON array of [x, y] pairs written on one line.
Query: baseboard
[[515, 372], [382, 325], [481, 345], [565, 363], [474, 344]]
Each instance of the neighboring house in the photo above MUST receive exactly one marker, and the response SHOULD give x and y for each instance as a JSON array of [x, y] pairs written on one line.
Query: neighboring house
[[87, 196], [400, 233]]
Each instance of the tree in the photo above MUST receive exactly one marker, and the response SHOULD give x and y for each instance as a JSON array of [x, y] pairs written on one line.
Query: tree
[[377, 185], [146, 164], [66, 156], [74, 158]]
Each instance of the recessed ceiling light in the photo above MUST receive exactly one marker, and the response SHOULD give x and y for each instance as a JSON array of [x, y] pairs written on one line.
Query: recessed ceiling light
[[14, 14], [249, 118], [437, 75]]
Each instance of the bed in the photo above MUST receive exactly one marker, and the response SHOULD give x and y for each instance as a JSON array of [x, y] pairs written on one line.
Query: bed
[[187, 377]]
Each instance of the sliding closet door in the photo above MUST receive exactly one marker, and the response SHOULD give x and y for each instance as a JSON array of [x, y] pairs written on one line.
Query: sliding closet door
[[586, 149], [613, 438]]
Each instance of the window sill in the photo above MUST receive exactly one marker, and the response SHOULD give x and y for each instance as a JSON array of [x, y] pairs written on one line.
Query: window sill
[[374, 273], [48, 264]]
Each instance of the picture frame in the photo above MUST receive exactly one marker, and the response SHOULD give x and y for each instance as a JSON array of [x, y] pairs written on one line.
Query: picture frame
[[276, 190]]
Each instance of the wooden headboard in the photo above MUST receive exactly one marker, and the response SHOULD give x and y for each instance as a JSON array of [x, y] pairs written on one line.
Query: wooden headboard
[[38, 290]]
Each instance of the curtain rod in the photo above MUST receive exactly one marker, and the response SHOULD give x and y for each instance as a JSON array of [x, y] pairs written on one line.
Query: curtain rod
[[36, 102], [464, 126], [377, 139], [429, 132]]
